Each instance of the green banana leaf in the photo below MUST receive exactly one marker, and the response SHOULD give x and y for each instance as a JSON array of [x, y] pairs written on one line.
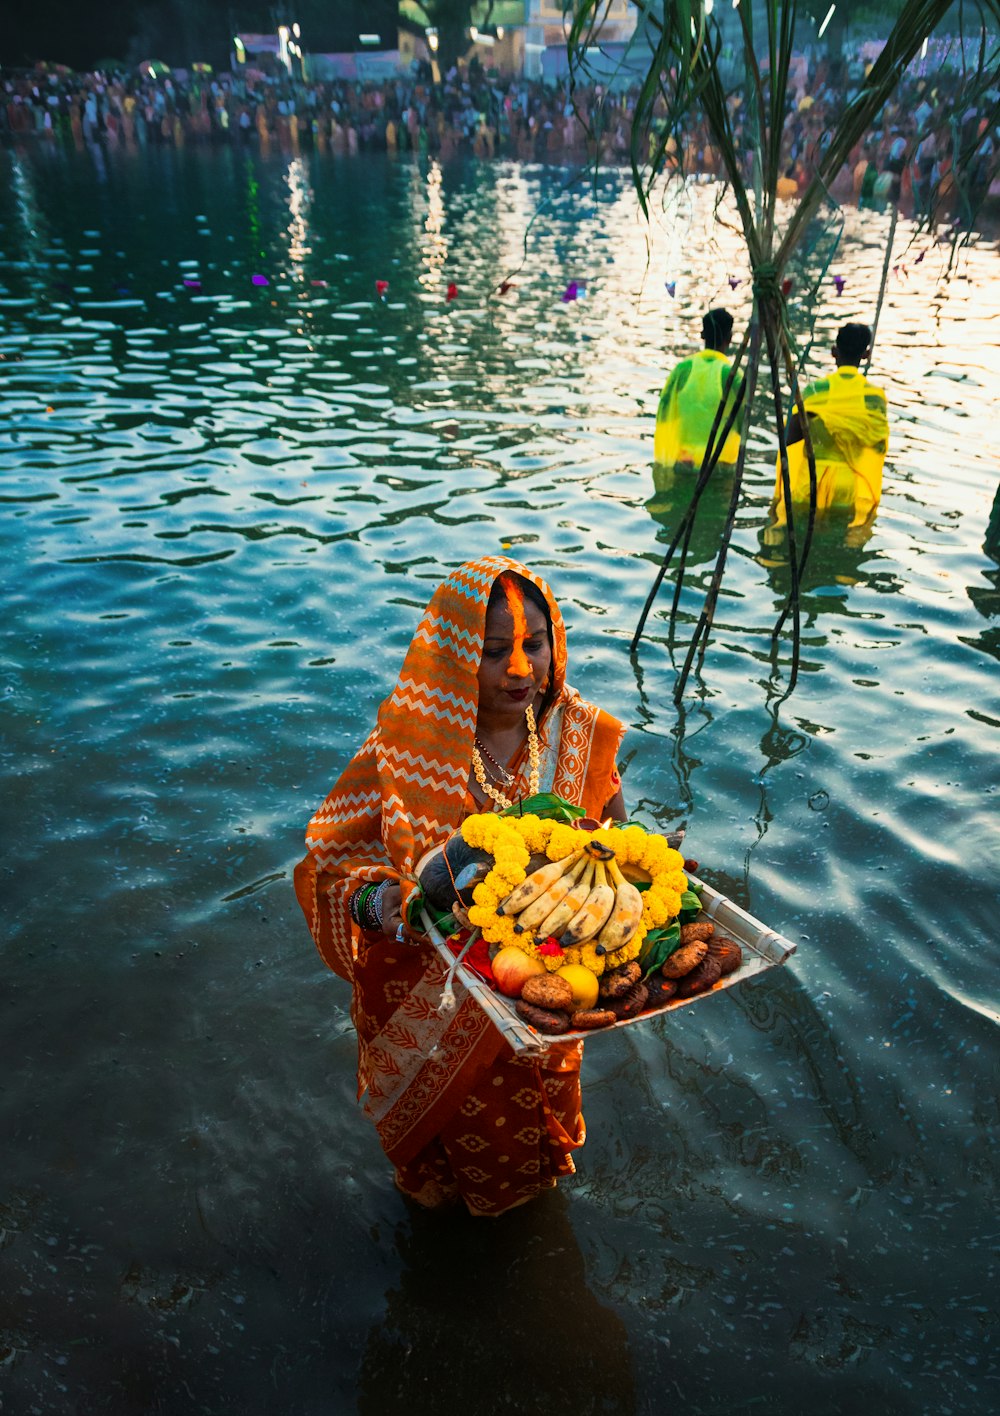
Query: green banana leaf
[[690, 907], [546, 805], [657, 947], [443, 920]]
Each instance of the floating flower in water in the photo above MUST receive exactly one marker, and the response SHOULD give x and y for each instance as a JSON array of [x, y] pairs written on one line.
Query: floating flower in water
[[839, 282], [571, 292], [259, 280], [733, 282], [504, 286], [318, 284], [452, 292], [381, 288], [190, 282], [787, 285], [671, 288]]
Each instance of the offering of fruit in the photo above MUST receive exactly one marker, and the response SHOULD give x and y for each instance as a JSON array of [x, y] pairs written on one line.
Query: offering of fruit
[[586, 925], [583, 983], [512, 968]]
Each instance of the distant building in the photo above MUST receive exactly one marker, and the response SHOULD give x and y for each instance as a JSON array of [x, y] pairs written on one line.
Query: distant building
[[522, 36], [373, 39], [546, 28]]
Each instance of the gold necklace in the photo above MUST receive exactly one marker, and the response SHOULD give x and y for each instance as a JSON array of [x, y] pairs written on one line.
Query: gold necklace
[[498, 773], [479, 771]]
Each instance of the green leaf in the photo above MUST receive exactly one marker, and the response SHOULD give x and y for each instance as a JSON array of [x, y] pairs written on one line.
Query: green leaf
[[442, 920], [690, 901], [657, 946], [546, 805]]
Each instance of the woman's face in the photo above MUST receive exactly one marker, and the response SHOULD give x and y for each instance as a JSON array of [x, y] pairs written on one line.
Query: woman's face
[[516, 660]]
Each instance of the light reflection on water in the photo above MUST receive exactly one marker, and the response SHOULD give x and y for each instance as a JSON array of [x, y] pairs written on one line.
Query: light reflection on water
[[222, 511]]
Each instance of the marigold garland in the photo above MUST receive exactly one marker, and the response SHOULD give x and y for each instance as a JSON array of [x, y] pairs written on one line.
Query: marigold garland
[[512, 840]]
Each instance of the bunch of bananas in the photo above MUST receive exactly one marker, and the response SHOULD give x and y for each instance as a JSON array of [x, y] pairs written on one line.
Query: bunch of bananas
[[581, 898]]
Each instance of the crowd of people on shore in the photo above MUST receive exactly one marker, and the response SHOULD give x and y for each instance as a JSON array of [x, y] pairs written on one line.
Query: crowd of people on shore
[[911, 152]]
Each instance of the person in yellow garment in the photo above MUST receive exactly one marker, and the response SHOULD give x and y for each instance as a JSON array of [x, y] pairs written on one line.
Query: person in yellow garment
[[691, 397], [849, 428]]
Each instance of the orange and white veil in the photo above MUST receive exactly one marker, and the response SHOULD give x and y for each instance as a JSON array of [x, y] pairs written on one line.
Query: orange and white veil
[[405, 790]]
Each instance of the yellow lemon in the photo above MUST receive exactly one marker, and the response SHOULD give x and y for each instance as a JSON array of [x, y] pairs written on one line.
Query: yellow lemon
[[583, 983]]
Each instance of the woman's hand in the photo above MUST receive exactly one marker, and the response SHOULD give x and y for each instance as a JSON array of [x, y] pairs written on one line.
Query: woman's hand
[[392, 917]]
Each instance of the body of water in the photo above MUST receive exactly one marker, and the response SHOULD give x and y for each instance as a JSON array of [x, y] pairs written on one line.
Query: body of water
[[223, 505]]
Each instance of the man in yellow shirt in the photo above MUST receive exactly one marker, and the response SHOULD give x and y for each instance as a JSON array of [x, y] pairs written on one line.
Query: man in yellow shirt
[[691, 398], [849, 429]]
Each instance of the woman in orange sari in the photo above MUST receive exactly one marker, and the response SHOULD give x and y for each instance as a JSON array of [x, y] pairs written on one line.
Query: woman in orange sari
[[481, 716]]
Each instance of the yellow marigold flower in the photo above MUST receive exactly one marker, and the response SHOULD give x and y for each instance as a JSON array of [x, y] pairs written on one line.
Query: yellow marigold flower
[[565, 841], [574, 955], [654, 912], [590, 959], [542, 833], [485, 895], [630, 846], [479, 831], [631, 949], [499, 930], [533, 832]]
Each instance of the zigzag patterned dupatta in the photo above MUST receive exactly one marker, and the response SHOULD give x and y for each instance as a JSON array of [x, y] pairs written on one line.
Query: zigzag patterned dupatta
[[404, 792]]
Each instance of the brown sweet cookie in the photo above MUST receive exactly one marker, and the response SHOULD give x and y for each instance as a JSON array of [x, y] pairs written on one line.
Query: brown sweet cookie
[[728, 953], [700, 979], [684, 959], [631, 1003], [544, 1020], [661, 990], [701, 929], [617, 982], [547, 991], [594, 1018]]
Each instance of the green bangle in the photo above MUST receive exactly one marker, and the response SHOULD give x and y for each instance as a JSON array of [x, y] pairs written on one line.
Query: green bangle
[[358, 901]]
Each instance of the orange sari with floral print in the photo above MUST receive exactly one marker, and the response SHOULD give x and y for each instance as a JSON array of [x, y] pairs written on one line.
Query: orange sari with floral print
[[458, 1114]]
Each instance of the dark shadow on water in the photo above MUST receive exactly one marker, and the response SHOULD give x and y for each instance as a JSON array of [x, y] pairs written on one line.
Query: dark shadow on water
[[840, 557], [986, 598], [491, 1316], [672, 490]]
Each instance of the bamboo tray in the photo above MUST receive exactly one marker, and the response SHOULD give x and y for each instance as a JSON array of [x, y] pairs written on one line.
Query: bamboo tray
[[763, 949]]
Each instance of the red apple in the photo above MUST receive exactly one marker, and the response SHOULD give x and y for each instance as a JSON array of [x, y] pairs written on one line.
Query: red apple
[[511, 966]]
